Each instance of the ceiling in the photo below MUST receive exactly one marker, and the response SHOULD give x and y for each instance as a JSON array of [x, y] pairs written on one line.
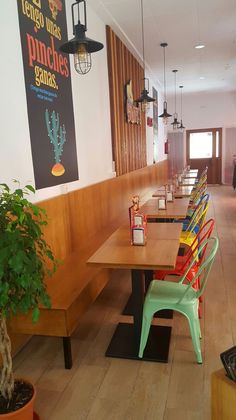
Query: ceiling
[[182, 24]]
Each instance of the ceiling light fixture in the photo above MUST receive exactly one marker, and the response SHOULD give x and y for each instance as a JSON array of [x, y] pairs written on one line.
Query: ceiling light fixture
[[165, 115], [181, 126], [81, 46], [199, 46], [175, 123], [144, 99]]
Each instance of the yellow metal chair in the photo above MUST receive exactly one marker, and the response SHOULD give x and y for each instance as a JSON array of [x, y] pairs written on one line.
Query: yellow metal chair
[[195, 222]]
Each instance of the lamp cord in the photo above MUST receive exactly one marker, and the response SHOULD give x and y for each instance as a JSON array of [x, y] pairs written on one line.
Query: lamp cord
[[181, 87], [175, 92], [143, 36], [164, 73]]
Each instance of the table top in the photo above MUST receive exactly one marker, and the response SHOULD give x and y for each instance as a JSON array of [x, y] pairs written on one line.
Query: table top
[[181, 192], [175, 209], [188, 181], [160, 251], [189, 175], [192, 171]]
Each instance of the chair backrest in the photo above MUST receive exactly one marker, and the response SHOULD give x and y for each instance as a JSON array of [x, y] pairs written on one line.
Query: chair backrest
[[204, 172], [198, 215], [199, 190], [204, 267], [204, 233]]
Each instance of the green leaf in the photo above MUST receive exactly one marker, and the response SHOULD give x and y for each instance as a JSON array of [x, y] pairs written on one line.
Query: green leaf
[[35, 314], [30, 188], [5, 187]]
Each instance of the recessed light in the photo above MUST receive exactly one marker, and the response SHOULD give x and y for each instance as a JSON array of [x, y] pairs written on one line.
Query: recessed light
[[199, 46], [201, 77]]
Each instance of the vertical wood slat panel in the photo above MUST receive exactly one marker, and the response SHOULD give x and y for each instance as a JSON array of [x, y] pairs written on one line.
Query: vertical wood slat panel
[[128, 140]]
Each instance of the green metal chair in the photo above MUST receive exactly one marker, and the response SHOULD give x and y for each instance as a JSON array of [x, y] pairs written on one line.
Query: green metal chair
[[179, 297]]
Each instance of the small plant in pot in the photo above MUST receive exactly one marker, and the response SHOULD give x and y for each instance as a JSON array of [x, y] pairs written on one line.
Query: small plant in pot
[[25, 260]]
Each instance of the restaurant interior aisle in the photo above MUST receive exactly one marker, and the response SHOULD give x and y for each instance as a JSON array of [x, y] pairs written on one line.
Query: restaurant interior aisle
[[100, 388]]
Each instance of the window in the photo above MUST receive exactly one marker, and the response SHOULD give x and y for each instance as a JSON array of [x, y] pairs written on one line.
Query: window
[[200, 145]]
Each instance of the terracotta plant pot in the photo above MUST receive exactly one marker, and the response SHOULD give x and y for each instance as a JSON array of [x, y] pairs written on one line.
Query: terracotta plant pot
[[24, 413]]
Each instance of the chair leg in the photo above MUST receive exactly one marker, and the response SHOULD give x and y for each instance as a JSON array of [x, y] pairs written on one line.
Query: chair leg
[[199, 330], [146, 324], [195, 334], [199, 311]]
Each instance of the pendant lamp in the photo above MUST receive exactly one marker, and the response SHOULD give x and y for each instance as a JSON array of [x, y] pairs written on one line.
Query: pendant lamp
[[181, 126], [165, 115], [81, 46], [175, 123], [144, 99]]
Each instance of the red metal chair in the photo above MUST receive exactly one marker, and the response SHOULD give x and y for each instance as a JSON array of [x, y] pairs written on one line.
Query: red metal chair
[[184, 261]]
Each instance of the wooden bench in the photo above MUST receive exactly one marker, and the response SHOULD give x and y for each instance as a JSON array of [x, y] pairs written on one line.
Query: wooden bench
[[70, 298], [79, 222]]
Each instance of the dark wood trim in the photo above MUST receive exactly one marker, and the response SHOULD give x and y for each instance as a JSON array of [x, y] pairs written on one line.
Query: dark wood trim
[[215, 172]]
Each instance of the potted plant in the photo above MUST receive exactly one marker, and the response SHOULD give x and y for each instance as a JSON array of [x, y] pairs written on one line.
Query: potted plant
[[25, 260]]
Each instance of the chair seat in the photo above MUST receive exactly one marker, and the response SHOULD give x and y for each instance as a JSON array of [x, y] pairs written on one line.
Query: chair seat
[[187, 237], [170, 293]]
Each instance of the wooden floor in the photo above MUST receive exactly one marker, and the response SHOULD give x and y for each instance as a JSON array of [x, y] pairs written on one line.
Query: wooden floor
[[99, 388]]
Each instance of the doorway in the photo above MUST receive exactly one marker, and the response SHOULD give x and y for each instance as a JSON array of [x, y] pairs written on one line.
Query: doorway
[[204, 148]]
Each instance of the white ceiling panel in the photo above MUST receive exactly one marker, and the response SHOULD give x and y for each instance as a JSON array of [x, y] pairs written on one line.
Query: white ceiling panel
[[182, 24]]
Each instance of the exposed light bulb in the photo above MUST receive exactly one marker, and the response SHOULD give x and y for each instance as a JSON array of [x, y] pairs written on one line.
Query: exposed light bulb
[[82, 60]]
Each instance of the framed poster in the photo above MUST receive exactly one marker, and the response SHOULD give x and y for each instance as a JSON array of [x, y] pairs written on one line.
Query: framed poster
[[48, 91], [155, 124]]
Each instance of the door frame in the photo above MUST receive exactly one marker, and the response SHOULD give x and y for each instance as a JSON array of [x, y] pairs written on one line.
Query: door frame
[[218, 161]]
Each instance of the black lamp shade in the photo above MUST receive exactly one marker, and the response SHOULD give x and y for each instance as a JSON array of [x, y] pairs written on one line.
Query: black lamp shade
[[181, 126], [72, 45], [144, 98], [165, 114], [175, 123]]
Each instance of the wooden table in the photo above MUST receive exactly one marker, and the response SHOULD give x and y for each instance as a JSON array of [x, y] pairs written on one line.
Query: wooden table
[[175, 210], [181, 192], [188, 182], [193, 171], [188, 175], [160, 252]]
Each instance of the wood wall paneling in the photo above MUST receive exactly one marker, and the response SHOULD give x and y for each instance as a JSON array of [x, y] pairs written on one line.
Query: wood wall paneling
[[128, 140], [78, 223]]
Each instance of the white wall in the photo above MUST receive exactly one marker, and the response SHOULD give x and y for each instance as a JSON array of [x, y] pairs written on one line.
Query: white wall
[[206, 110], [209, 110]]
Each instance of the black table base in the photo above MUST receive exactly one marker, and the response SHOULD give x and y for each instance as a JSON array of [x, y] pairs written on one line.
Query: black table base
[[123, 344]]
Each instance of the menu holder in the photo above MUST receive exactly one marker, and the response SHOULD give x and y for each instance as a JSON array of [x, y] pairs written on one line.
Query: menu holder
[[138, 235], [161, 203], [139, 229], [169, 196]]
